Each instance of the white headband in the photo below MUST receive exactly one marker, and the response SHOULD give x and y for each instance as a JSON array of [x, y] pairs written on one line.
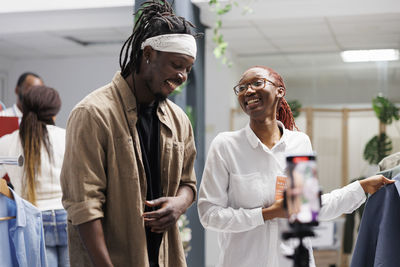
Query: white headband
[[175, 43]]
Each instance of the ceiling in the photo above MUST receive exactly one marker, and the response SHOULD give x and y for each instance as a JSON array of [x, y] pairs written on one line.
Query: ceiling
[[302, 40], [286, 30], [292, 32], [64, 33], [302, 36]]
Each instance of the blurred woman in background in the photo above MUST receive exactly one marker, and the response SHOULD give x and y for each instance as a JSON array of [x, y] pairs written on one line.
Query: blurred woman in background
[[42, 144]]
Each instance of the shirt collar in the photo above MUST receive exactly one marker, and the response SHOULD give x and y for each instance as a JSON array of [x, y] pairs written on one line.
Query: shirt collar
[[254, 140], [20, 216], [162, 106]]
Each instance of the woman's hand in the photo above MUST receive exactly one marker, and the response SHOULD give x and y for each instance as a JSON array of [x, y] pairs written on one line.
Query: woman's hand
[[276, 210], [374, 183]]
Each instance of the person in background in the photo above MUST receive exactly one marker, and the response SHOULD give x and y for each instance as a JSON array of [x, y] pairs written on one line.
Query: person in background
[[237, 192], [42, 144], [25, 81], [128, 173]]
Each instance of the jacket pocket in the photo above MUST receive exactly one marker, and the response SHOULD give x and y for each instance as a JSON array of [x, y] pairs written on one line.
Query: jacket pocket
[[171, 166]]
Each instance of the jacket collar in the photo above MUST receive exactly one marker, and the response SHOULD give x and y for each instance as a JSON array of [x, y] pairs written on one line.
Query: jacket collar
[[129, 101], [127, 97]]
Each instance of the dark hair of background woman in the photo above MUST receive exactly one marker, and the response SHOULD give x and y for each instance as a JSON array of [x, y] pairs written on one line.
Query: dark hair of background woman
[[40, 104]]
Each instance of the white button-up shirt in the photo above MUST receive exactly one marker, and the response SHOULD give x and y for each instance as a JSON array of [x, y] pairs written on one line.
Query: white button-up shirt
[[239, 180]]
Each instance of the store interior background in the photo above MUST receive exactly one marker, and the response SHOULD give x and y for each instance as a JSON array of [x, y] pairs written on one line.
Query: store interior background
[[302, 40]]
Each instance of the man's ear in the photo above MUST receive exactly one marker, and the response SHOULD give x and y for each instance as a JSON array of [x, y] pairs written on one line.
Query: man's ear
[[148, 54]]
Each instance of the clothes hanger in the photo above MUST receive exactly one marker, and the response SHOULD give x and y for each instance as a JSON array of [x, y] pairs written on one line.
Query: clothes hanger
[[7, 192], [19, 161]]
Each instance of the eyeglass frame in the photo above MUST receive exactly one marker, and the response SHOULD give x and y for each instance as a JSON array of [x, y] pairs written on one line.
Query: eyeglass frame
[[249, 84]]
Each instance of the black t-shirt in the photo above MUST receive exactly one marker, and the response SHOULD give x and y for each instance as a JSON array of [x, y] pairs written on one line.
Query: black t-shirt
[[148, 127]]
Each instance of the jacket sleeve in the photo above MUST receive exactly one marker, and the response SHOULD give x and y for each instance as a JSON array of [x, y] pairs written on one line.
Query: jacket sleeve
[[213, 204], [188, 177], [83, 175]]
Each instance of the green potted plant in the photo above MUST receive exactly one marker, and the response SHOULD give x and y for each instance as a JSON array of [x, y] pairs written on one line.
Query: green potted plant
[[380, 145]]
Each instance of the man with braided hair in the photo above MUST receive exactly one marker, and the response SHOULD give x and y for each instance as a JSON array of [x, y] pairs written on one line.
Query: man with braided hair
[[128, 171]]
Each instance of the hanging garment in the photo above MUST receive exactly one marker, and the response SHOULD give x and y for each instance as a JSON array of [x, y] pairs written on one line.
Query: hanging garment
[[390, 173], [5, 215], [378, 242], [389, 162], [24, 233]]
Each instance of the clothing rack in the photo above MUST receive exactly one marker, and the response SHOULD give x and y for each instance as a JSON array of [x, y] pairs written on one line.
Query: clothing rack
[[18, 161]]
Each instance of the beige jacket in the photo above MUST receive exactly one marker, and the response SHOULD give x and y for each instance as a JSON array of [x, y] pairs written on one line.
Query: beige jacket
[[103, 174]]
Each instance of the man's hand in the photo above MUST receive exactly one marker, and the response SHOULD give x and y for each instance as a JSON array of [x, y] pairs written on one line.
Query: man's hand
[[92, 236], [374, 183], [171, 208], [160, 220]]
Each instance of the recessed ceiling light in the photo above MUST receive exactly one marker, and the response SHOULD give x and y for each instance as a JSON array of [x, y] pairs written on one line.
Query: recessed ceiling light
[[370, 55]]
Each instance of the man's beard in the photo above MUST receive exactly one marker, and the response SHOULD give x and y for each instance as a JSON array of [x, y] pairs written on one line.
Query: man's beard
[[160, 97], [157, 95]]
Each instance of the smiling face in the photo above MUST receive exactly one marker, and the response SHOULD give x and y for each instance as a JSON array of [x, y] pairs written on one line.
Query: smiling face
[[164, 71], [261, 102]]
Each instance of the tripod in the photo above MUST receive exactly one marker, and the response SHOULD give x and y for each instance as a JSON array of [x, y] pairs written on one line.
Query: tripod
[[301, 255]]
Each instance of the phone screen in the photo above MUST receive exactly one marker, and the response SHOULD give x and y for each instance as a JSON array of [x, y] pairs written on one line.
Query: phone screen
[[303, 191]]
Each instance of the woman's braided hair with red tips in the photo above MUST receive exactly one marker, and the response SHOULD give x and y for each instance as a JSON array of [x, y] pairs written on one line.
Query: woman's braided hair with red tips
[[283, 112]]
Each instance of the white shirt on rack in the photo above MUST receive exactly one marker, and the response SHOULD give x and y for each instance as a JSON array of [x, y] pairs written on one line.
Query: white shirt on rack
[[48, 188], [13, 111], [239, 180]]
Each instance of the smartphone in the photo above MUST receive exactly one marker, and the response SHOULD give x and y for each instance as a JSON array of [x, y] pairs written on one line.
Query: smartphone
[[303, 193]]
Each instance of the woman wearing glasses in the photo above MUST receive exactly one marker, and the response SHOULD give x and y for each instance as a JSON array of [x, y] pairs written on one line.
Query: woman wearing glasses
[[237, 192]]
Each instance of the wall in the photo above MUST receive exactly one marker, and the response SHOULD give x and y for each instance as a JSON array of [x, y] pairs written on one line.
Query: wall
[[73, 78], [219, 81], [5, 93]]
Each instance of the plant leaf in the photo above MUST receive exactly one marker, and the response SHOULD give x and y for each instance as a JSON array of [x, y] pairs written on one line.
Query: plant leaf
[[377, 148]]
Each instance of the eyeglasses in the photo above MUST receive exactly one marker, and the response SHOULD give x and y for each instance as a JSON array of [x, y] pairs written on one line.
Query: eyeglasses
[[255, 85]]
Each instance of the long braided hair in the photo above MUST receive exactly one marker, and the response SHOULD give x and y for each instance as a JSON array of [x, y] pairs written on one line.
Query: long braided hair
[[39, 105], [283, 112], [155, 17]]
